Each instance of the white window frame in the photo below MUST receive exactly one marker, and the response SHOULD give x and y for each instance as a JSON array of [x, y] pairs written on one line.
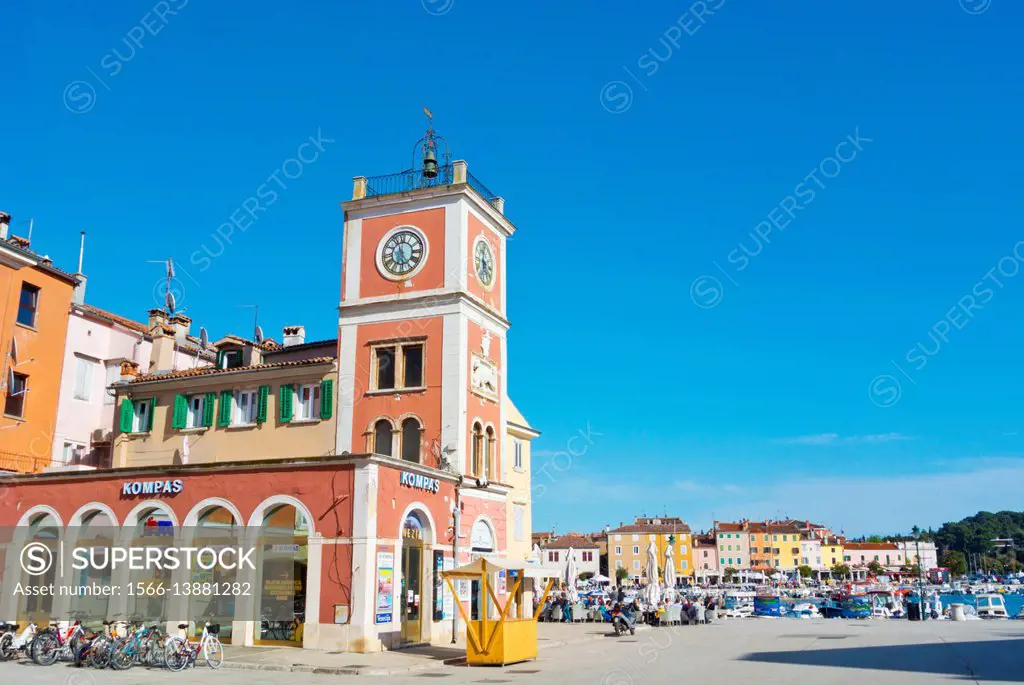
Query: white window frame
[[517, 454], [314, 391], [141, 410], [85, 370], [636, 564], [237, 411], [636, 549], [69, 449], [196, 407], [618, 551], [112, 374]]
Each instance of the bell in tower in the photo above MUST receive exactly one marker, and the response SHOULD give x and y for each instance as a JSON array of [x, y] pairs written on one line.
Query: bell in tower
[[430, 171]]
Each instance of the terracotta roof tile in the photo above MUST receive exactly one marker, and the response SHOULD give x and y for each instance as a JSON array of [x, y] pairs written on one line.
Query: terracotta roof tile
[[212, 371], [653, 528], [567, 541], [110, 316]]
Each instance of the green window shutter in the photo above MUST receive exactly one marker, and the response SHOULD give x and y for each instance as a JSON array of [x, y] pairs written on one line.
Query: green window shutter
[[152, 410], [127, 414], [180, 412], [208, 402], [326, 399], [224, 409], [286, 396], [262, 395]]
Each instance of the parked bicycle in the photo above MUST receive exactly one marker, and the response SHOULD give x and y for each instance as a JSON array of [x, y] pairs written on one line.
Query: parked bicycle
[[180, 653], [54, 642], [143, 646]]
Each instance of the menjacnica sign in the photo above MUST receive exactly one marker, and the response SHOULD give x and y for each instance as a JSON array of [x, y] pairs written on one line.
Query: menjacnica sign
[[151, 487]]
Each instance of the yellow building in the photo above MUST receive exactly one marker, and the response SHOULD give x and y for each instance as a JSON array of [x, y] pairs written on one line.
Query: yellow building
[[519, 503], [832, 551], [627, 547]]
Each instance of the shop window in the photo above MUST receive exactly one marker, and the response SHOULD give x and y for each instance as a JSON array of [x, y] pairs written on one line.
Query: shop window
[[382, 434], [14, 404], [411, 440], [28, 305]]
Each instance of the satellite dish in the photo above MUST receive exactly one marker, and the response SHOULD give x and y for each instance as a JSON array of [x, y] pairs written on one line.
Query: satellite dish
[[14, 350], [170, 268], [204, 338], [170, 301], [258, 335]]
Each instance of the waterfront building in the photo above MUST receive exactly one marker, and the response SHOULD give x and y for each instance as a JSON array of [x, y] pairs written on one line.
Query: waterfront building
[[832, 551], [923, 553], [859, 554], [705, 559], [373, 454], [627, 546], [584, 551], [734, 546], [810, 554], [33, 330], [774, 546]]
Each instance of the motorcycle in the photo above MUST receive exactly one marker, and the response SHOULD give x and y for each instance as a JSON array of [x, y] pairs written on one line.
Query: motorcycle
[[623, 621]]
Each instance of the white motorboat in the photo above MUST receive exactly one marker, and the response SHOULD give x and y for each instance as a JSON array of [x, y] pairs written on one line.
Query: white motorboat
[[991, 606], [804, 610]]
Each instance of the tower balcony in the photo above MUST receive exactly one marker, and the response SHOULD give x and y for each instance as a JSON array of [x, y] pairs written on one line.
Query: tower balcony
[[450, 175]]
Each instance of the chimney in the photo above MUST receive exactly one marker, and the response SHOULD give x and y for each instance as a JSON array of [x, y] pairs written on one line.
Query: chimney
[[162, 356], [5, 225], [294, 335], [157, 318], [181, 325], [78, 296], [129, 370]]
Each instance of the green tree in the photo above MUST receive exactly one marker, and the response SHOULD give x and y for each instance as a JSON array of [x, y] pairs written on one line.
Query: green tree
[[875, 568], [587, 575], [729, 574], [805, 571], [841, 571], [956, 562], [875, 538], [621, 574]]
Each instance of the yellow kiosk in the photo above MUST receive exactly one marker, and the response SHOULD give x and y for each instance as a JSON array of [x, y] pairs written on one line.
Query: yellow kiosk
[[507, 639]]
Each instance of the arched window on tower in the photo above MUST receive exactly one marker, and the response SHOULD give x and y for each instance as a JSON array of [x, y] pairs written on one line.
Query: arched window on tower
[[478, 448], [411, 440], [492, 455], [382, 437]]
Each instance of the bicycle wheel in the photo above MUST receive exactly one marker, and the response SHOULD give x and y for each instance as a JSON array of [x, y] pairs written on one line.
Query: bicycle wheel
[[99, 652], [6, 646], [213, 652], [176, 654], [123, 656], [156, 652], [43, 649]]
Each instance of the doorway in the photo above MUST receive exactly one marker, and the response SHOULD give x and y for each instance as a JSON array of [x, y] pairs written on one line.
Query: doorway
[[411, 598]]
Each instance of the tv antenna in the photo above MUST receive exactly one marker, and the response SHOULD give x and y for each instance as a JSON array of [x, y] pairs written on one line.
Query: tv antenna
[[257, 332]]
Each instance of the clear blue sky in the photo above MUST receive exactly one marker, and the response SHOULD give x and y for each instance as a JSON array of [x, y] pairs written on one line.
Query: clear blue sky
[[757, 406]]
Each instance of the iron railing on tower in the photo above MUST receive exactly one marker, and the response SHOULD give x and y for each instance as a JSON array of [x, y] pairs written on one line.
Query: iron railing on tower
[[414, 179]]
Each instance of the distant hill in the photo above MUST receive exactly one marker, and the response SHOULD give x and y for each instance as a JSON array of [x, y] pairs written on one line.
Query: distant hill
[[975, 533]]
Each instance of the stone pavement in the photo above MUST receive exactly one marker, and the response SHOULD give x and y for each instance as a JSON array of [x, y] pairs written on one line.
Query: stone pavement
[[411, 660]]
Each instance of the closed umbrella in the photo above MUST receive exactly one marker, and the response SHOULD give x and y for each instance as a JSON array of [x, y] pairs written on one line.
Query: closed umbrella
[[670, 569], [535, 555], [571, 572], [653, 590]]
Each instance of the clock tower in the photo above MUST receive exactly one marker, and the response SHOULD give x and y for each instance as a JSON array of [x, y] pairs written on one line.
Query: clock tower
[[423, 379]]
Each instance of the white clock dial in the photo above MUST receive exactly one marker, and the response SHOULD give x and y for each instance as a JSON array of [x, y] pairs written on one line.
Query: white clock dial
[[483, 261], [402, 253]]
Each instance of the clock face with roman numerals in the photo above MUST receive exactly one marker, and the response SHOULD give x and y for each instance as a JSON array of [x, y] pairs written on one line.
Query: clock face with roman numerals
[[402, 253], [483, 260]]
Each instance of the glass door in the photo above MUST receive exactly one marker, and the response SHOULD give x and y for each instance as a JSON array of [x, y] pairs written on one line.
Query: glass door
[[412, 565]]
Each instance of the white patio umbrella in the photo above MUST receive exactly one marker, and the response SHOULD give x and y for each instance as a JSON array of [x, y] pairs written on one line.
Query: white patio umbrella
[[571, 575], [651, 574], [670, 569], [534, 555], [600, 579]]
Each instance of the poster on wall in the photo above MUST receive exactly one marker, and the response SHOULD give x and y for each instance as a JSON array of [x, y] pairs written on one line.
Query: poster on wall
[[438, 585], [385, 587], [449, 603], [501, 582]]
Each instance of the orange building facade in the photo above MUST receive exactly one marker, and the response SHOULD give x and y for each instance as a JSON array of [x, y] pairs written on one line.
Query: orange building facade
[[36, 302]]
